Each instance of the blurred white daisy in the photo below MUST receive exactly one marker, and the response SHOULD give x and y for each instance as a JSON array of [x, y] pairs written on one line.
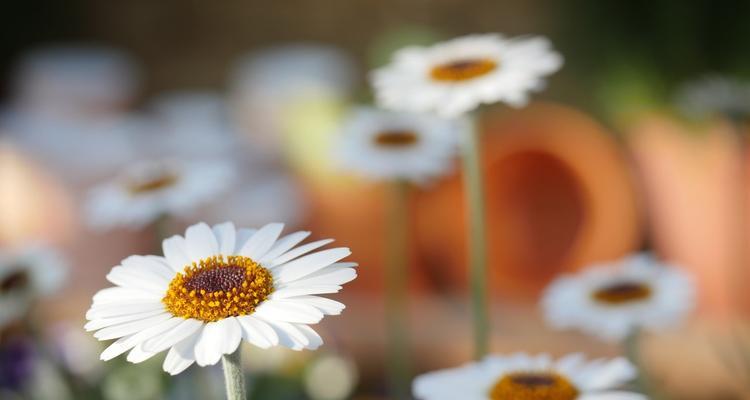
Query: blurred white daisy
[[25, 275], [610, 301], [454, 77], [715, 95], [388, 145], [149, 190], [215, 287], [526, 377]]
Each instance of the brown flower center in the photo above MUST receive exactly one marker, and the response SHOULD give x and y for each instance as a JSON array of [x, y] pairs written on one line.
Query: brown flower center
[[218, 288], [533, 386], [463, 70], [157, 182], [16, 280], [622, 292], [396, 138]]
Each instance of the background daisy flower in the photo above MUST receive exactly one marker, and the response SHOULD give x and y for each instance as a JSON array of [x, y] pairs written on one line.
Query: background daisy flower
[[610, 301], [215, 287], [456, 76], [25, 275], [527, 377], [150, 189], [400, 146]]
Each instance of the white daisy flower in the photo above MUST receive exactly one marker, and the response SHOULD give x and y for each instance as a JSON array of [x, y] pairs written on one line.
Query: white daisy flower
[[215, 287], [610, 301], [387, 145], [25, 275], [526, 377], [715, 95], [454, 77], [151, 189]]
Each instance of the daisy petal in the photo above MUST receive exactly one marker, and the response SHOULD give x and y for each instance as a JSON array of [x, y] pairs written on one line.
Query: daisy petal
[[289, 311], [200, 242], [185, 329], [314, 339], [181, 355], [308, 264], [257, 332], [138, 354], [176, 253], [129, 328], [262, 241], [226, 236], [304, 249], [284, 244], [208, 349]]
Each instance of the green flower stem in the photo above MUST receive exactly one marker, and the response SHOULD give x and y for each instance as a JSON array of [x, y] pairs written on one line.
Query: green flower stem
[[234, 379], [642, 383], [474, 192], [396, 281]]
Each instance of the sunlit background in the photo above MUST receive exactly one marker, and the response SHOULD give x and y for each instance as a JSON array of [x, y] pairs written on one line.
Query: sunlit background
[[614, 157]]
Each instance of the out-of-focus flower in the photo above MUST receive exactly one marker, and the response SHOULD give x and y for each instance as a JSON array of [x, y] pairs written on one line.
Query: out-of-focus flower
[[27, 274], [388, 145], [522, 376], [133, 383], [610, 301], [150, 189], [194, 124], [215, 287], [76, 81], [330, 377], [454, 77], [268, 86], [77, 351], [715, 96]]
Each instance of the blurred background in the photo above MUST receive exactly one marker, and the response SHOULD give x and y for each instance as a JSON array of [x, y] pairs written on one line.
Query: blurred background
[[618, 155]]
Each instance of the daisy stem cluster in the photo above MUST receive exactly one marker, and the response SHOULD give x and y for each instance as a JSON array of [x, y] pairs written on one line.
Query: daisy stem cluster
[[396, 286], [474, 192], [234, 379]]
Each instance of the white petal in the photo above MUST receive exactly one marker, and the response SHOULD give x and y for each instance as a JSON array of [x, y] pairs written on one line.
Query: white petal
[[257, 332], [308, 264], [327, 276], [226, 236], [314, 339], [289, 335], [232, 335], [176, 253], [243, 235], [289, 312], [151, 264], [126, 343], [135, 279], [326, 306], [120, 309], [200, 242], [262, 241], [304, 249], [177, 334], [182, 355], [105, 322], [123, 295], [129, 328], [210, 346], [287, 292], [284, 244], [138, 354]]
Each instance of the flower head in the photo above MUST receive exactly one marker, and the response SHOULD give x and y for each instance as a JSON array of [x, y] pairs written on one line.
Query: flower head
[[454, 77], [387, 145], [526, 377], [25, 275], [215, 287], [609, 301], [148, 190]]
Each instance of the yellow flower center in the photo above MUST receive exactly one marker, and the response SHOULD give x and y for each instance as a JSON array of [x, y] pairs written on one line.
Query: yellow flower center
[[152, 184], [396, 138], [463, 70], [215, 288], [622, 292], [533, 386]]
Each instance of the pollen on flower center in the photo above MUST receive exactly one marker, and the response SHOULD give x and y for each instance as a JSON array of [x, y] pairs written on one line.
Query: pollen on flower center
[[533, 386], [622, 292], [396, 138], [462, 70], [160, 181], [218, 288]]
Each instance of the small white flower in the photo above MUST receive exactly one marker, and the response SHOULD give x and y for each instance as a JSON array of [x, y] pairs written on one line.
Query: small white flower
[[151, 189], [216, 287], [610, 301], [387, 145], [454, 77], [522, 376], [715, 95], [25, 275]]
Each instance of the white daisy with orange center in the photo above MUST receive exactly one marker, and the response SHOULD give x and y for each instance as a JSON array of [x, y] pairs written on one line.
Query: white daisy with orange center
[[527, 377], [456, 76], [611, 301], [216, 287], [385, 145], [149, 190]]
